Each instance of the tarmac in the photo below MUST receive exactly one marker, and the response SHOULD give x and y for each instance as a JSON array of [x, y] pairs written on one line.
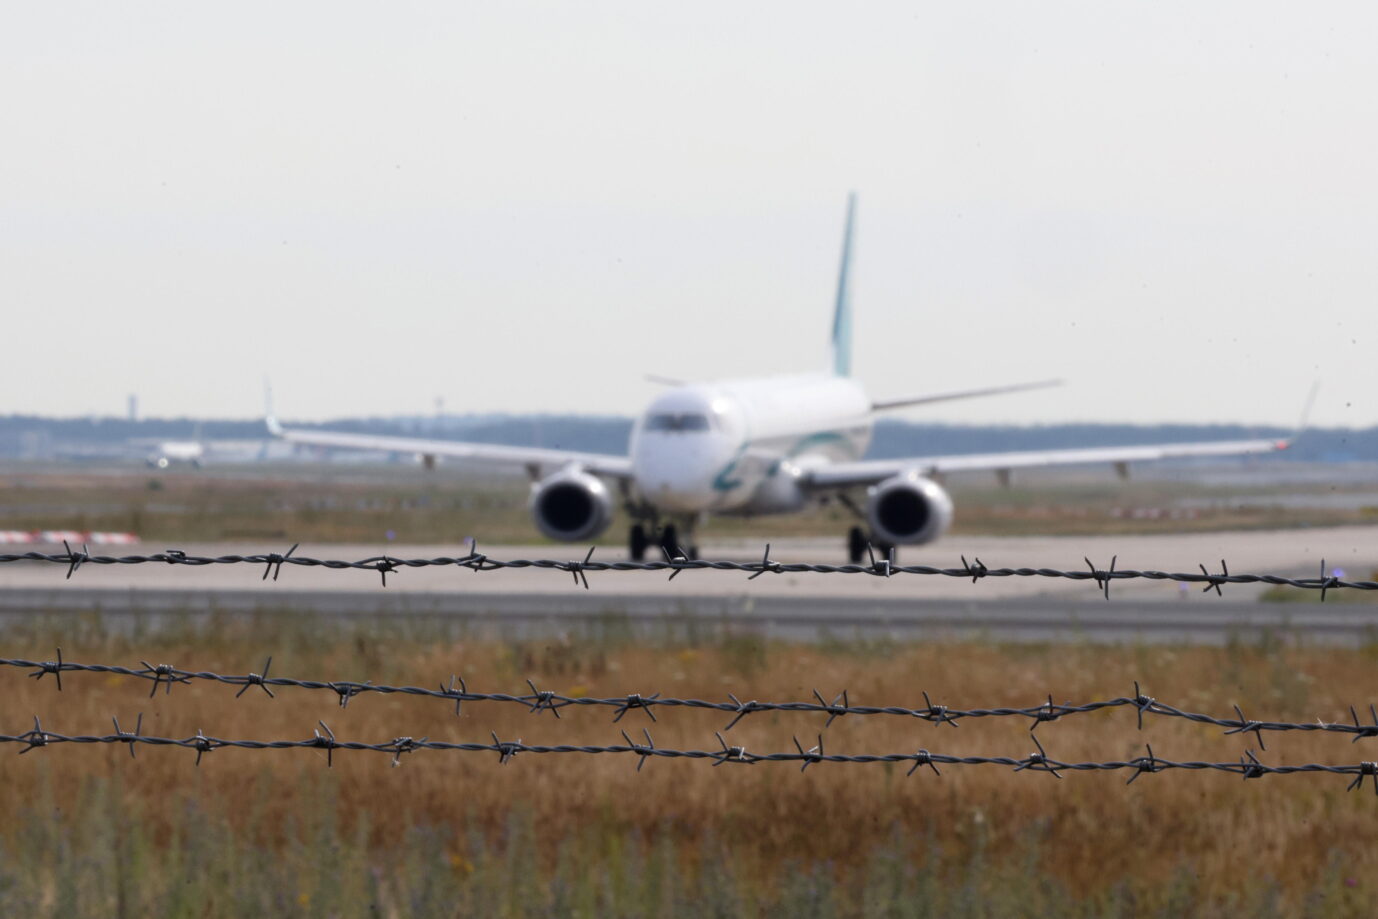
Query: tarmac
[[796, 606]]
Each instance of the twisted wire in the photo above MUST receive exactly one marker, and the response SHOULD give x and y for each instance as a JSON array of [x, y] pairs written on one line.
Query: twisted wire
[[1248, 766], [538, 700], [474, 560]]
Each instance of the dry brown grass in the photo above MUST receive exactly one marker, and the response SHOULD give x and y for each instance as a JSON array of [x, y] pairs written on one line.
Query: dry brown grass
[[1091, 831], [345, 505]]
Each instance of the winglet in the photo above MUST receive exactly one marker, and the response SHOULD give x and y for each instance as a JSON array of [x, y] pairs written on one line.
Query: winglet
[[842, 309], [269, 417], [1305, 420]]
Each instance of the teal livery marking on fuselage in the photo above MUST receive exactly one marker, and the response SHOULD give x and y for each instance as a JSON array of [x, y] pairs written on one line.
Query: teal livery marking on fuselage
[[822, 437], [722, 482]]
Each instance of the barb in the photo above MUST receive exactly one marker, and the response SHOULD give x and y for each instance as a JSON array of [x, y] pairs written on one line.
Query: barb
[[538, 700], [128, 738], [1248, 766], [76, 558], [73, 560], [274, 563], [1216, 580], [1103, 578]]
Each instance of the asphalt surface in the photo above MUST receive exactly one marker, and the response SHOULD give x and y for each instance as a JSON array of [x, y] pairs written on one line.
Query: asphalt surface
[[798, 606], [660, 617]]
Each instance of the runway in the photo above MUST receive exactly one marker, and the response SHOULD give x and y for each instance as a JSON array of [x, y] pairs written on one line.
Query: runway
[[796, 606], [662, 618]]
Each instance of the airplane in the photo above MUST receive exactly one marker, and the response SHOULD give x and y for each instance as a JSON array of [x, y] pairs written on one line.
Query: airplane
[[167, 452], [759, 446]]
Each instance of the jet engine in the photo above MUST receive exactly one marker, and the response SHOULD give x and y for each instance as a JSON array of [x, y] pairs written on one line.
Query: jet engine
[[571, 505], [908, 509]]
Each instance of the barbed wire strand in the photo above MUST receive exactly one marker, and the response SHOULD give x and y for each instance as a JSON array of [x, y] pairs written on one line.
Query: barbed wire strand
[[676, 564], [539, 700], [1248, 766]]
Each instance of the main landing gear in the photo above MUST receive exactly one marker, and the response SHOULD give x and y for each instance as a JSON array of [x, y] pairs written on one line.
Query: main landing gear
[[637, 543], [856, 545]]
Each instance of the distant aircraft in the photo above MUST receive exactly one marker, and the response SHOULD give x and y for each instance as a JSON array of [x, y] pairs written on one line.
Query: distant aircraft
[[177, 451], [759, 446], [167, 452]]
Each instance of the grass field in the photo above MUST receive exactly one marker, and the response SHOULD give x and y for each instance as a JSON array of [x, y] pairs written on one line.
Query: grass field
[[334, 505], [90, 831]]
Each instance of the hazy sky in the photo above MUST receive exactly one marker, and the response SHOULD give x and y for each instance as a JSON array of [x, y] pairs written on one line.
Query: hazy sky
[[528, 206]]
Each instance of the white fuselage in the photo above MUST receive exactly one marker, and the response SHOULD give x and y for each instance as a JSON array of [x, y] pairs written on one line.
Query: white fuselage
[[739, 446], [177, 451]]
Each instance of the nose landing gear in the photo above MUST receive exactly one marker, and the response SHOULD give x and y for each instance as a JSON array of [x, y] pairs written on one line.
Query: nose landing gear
[[672, 546], [858, 546], [667, 540]]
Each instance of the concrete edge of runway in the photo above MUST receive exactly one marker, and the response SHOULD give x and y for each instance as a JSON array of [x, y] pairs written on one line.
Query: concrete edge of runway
[[1118, 620]]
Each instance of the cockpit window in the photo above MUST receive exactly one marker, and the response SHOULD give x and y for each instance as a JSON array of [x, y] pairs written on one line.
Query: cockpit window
[[689, 421]]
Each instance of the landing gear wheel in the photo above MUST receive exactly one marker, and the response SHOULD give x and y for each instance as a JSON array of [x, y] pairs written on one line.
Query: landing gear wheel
[[693, 553], [637, 543], [669, 540], [856, 545]]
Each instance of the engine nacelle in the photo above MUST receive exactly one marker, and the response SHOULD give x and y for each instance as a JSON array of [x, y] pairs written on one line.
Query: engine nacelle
[[571, 505], [908, 509]]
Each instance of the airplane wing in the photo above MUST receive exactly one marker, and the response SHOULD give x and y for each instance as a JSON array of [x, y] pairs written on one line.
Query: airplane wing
[[536, 459], [869, 472]]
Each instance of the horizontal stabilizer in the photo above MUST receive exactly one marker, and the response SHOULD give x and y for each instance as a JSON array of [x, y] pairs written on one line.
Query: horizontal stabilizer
[[963, 394]]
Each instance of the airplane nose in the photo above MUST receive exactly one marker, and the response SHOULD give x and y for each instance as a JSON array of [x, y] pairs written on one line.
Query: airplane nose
[[679, 492], [676, 479], [674, 496]]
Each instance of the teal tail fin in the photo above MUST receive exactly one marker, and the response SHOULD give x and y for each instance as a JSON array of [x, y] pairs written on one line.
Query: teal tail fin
[[842, 311]]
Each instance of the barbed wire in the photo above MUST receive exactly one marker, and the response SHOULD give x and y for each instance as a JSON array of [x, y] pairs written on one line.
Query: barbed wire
[[538, 700], [677, 564], [1248, 766]]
